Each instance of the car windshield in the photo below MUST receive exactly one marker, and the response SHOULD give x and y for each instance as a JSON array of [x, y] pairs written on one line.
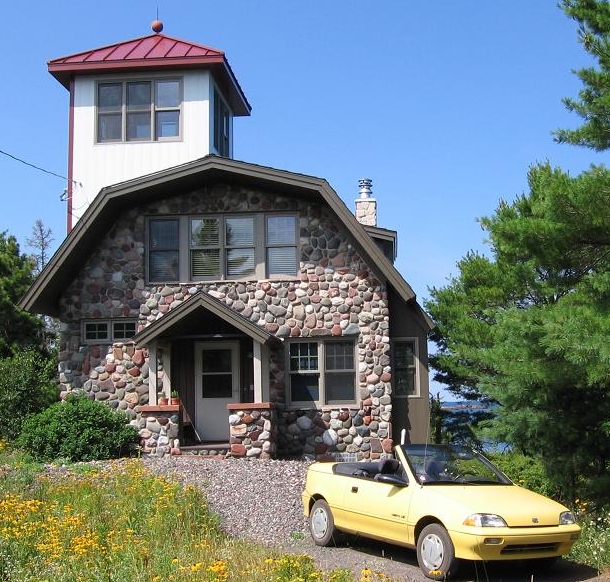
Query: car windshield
[[452, 464]]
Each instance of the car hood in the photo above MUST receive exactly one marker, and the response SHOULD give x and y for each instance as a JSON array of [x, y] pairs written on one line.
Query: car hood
[[518, 506]]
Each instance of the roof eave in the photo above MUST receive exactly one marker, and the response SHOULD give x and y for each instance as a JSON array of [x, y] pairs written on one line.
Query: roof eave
[[218, 65], [42, 296]]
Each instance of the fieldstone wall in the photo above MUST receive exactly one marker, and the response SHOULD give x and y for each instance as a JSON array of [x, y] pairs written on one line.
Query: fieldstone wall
[[160, 430], [253, 430], [335, 294]]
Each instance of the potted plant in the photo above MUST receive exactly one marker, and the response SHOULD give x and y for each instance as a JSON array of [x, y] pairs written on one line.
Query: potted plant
[[162, 399], [175, 400]]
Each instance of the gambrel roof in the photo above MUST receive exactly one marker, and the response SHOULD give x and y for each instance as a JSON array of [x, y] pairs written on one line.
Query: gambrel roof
[[43, 296]]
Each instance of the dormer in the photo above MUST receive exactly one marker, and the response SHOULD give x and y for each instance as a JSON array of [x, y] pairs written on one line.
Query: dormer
[[144, 105]]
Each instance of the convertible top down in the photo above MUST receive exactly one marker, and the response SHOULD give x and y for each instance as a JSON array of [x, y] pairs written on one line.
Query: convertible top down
[[445, 501]]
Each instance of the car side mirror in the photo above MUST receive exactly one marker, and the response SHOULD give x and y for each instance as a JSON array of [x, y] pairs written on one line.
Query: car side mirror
[[392, 479]]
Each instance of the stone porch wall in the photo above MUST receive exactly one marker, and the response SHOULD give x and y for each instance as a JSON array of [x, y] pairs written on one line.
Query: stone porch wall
[[253, 430]]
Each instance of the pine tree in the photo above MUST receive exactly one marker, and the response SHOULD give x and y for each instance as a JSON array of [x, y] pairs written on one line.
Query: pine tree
[[593, 104]]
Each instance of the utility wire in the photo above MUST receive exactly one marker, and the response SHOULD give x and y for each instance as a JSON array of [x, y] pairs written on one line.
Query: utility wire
[[37, 167]]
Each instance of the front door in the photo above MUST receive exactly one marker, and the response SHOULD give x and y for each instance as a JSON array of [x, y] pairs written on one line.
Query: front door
[[216, 385]]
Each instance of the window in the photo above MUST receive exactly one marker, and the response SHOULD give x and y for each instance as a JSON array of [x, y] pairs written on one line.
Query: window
[[281, 244], [253, 246], [107, 331], [405, 383], [322, 373], [163, 250], [222, 246], [138, 110], [222, 126]]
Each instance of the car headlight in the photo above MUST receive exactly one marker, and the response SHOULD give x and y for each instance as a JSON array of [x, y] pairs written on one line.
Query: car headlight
[[485, 520], [566, 518]]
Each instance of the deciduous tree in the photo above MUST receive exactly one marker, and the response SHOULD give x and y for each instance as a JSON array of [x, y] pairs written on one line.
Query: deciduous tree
[[18, 329]]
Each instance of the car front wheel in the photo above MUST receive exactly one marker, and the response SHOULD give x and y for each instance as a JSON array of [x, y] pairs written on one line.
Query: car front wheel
[[435, 552], [321, 523]]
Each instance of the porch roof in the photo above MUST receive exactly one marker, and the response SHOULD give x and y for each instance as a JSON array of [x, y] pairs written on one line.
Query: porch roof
[[188, 314]]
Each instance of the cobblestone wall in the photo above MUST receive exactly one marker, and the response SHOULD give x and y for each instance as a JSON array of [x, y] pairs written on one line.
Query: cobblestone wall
[[335, 295]]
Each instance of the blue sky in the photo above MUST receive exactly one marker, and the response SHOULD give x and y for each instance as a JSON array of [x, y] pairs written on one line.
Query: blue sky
[[444, 105]]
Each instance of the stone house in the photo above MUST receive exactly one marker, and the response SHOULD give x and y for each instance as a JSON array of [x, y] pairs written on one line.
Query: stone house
[[255, 294]]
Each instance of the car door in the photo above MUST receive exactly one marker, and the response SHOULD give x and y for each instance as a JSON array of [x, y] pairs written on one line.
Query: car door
[[379, 509]]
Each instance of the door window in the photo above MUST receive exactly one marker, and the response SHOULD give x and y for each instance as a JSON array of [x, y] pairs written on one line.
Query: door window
[[216, 374]]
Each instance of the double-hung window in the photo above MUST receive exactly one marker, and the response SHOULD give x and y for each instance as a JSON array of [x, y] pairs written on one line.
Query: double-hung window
[[164, 250], [222, 247], [405, 368], [145, 110], [322, 373]]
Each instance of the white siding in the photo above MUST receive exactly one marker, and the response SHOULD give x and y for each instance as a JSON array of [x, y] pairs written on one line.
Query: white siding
[[98, 165]]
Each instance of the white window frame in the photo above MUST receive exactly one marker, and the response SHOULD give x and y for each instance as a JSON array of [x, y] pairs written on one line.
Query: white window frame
[[260, 245], [321, 372], [416, 388], [111, 335], [154, 109]]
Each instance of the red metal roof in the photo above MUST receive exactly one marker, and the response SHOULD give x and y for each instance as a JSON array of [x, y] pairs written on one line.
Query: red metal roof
[[155, 51]]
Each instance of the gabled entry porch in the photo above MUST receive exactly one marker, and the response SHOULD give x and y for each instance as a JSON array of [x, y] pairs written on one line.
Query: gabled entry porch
[[218, 363]]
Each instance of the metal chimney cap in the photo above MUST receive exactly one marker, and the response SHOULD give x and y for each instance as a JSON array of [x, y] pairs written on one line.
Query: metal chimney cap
[[366, 187]]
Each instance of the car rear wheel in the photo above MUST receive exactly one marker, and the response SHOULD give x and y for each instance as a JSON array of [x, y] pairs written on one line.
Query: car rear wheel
[[322, 523], [435, 552]]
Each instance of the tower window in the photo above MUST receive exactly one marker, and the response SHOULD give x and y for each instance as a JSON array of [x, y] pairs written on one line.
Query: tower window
[[139, 110], [222, 126]]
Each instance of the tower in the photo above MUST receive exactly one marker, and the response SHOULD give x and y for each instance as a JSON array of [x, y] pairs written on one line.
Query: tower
[[143, 105]]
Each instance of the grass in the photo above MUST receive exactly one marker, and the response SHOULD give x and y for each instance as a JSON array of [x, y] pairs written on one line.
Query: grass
[[117, 522]]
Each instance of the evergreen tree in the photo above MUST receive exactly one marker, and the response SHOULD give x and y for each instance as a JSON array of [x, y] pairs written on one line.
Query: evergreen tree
[[18, 329], [593, 104], [528, 328]]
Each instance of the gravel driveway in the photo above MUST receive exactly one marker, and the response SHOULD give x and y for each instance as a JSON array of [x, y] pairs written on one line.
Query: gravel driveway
[[260, 500]]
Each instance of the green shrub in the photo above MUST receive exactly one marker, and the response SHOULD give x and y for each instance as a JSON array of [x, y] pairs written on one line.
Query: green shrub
[[77, 429], [525, 471], [28, 385], [593, 546]]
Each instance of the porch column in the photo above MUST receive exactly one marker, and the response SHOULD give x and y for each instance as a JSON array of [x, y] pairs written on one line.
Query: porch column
[[260, 365], [152, 373]]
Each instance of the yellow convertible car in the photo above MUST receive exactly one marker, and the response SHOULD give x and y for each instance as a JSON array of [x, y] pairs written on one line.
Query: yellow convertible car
[[445, 501]]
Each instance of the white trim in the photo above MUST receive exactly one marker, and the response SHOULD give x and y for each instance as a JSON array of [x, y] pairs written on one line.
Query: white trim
[[257, 370]]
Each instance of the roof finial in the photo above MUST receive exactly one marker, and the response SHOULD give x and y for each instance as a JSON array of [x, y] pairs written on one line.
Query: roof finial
[[157, 25]]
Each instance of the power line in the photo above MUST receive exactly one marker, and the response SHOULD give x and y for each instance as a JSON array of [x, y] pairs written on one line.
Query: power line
[[37, 167]]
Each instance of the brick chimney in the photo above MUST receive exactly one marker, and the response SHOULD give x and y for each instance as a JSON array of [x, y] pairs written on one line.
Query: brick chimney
[[366, 205]]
